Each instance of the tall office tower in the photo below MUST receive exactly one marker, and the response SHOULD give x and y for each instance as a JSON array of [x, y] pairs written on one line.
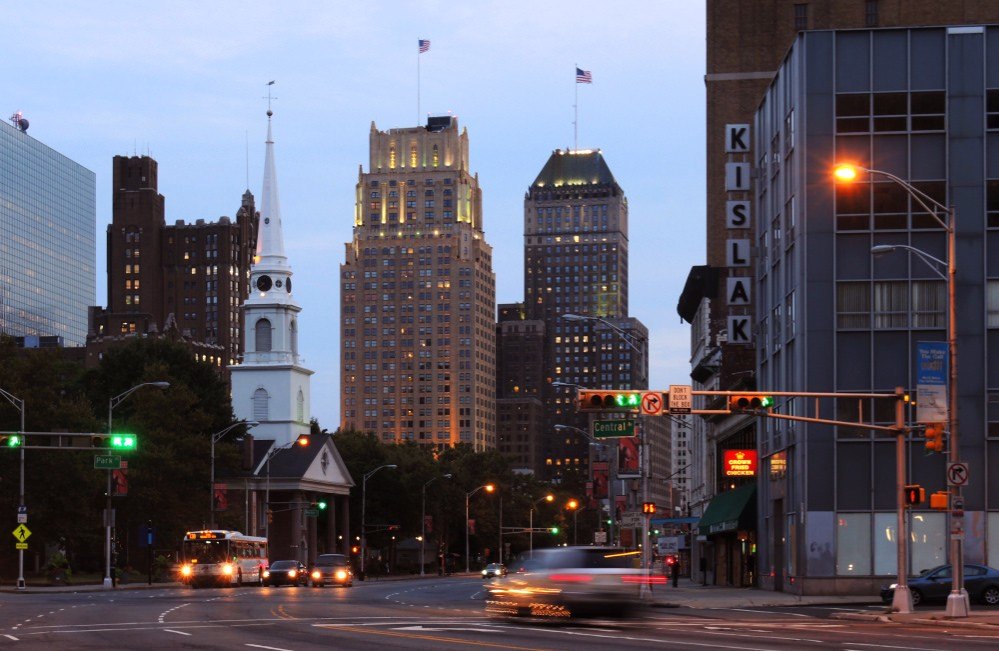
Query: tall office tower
[[418, 295], [746, 44], [576, 265], [520, 359], [187, 277], [48, 220]]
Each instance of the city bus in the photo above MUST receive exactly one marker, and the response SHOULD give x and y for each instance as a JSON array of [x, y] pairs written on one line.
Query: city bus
[[222, 558]]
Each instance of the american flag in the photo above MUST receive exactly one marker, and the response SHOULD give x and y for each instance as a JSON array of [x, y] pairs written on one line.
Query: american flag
[[424, 45], [583, 76]]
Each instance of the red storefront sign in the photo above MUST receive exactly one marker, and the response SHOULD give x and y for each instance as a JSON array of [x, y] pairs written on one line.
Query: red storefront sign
[[739, 463]]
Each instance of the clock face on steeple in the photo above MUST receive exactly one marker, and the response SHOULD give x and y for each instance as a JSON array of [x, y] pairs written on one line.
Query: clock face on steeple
[[264, 283]]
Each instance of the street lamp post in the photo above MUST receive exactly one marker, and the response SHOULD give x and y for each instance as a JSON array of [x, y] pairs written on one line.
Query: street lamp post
[[364, 502], [489, 488], [423, 517], [302, 440], [610, 481], [216, 437], [573, 505], [19, 405], [628, 338], [530, 527], [957, 600], [112, 403]]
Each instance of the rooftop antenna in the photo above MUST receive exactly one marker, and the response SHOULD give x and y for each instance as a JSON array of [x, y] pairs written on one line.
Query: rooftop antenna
[[269, 98], [246, 134], [19, 121]]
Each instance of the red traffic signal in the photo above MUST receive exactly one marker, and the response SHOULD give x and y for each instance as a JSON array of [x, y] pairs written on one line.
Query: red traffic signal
[[671, 560], [750, 401], [934, 434], [609, 400], [914, 494]]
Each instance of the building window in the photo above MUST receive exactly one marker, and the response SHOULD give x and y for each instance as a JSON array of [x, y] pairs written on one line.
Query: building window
[[294, 337], [992, 301], [891, 304], [871, 13], [929, 297], [260, 405], [853, 305], [262, 334], [300, 407], [801, 16], [853, 544]]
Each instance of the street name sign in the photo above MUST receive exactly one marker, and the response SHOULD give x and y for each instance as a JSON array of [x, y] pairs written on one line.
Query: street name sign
[[606, 429], [107, 462]]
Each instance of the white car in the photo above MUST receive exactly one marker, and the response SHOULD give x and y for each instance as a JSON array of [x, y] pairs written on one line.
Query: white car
[[494, 570]]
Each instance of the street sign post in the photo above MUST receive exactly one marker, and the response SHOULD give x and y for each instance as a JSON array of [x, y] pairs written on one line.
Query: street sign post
[[22, 514], [599, 537], [107, 462]]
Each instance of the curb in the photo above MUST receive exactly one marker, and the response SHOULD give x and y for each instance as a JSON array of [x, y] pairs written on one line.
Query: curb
[[894, 618]]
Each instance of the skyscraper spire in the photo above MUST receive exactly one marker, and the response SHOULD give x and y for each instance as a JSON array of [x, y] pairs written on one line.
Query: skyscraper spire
[[270, 241]]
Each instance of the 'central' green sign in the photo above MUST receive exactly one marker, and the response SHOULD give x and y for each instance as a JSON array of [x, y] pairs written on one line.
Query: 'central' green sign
[[607, 429]]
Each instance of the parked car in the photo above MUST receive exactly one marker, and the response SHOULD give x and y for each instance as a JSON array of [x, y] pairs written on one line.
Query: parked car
[[571, 582], [332, 569], [285, 573], [981, 582], [493, 570]]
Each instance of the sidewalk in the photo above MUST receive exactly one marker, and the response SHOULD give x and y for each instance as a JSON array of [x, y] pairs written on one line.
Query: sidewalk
[[694, 595], [979, 617]]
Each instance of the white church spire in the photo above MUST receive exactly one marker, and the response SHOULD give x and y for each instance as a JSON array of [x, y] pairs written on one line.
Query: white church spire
[[270, 240]]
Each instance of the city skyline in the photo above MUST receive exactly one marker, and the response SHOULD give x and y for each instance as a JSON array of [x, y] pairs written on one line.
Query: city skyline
[[191, 93]]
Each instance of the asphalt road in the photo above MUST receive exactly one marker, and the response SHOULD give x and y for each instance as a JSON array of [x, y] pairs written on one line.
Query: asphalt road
[[431, 613]]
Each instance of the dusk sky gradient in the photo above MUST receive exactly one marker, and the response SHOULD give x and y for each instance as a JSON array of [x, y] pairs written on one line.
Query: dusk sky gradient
[[185, 82]]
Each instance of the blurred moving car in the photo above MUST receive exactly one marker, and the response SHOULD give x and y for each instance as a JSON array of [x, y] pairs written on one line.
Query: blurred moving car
[[285, 573], [572, 582], [332, 569], [493, 570], [981, 582]]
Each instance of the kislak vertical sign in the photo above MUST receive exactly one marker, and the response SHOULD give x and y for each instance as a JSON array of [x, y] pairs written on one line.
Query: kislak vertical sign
[[931, 381], [738, 288]]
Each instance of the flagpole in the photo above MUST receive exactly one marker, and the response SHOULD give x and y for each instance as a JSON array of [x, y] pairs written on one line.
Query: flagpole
[[417, 86], [575, 109]]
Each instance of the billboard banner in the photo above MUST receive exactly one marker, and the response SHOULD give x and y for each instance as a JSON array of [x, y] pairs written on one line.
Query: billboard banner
[[931, 381]]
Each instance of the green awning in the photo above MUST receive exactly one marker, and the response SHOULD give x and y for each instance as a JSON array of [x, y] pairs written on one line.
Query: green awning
[[730, 511]]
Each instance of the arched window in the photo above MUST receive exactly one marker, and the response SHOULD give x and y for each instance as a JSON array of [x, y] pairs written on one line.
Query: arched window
[[263, 335], [300, 407], [436, 156], [294, 337], [260, 405], [392, 157], [412, 156]]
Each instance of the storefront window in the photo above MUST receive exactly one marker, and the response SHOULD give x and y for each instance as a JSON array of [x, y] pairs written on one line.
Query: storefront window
[[885, 544], [853, 544], [992, 539], [929, 541]]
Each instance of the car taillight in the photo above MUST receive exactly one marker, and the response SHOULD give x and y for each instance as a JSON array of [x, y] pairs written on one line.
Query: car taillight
[[650, 579], [571, 578]]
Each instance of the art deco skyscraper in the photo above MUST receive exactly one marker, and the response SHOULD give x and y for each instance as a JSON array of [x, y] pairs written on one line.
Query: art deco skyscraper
[[418, 295]]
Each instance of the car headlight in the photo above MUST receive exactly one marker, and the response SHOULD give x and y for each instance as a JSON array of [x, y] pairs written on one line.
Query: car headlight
[[316, 574], [485, 572], [227, 569], [185, 571], [267, 573], [341, 575], [292, 574], [892, 586]]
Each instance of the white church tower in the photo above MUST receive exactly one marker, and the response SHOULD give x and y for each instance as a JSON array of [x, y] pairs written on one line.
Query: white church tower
[[271, 386]]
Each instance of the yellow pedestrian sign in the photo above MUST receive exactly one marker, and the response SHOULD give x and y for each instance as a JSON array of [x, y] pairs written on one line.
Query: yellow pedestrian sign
[[22, 533]]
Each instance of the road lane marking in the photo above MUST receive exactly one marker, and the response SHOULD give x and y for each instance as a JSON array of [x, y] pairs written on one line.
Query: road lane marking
[[270, 648], [435, 638], [170, 630], [11, 637]]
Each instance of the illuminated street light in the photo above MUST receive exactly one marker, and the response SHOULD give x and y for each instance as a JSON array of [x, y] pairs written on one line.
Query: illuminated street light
[[489, 488], [957, 600]]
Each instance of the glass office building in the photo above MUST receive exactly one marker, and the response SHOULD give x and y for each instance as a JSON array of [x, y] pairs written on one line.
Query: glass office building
[[48, 220]]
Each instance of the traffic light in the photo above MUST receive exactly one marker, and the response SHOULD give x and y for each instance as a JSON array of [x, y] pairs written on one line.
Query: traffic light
[[649, 508], [750, 401], [321, 505], [934, 434], [553, 530], [123, 442], [914, 494], [670, 560], [12, 440], [609, 400], [939, 500]]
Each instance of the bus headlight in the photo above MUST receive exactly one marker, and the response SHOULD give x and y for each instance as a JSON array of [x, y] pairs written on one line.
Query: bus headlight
[[227, 569], [316, 574], [185, 570], [341, 575]]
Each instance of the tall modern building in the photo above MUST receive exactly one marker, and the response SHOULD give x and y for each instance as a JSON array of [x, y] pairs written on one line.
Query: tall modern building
[[418, 295], [746, 44], [922, 105], [191, 278], [575, 314], [48, 221]]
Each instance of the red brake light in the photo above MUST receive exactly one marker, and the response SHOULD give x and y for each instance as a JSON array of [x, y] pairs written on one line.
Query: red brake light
[[571, 578], [650, 579]]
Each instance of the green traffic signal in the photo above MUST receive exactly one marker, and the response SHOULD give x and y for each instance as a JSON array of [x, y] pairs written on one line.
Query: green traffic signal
[[321, 505], [553, 530], [14, 441], [123, 441], [628, 399]]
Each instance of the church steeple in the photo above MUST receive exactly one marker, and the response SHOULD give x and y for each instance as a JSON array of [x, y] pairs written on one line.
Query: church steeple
[[271, 386], [270, 240]]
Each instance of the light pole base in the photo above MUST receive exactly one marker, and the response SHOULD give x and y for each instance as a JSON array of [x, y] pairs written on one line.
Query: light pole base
[[20, 583], [901, 602], [107, 583], [957, 604]]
